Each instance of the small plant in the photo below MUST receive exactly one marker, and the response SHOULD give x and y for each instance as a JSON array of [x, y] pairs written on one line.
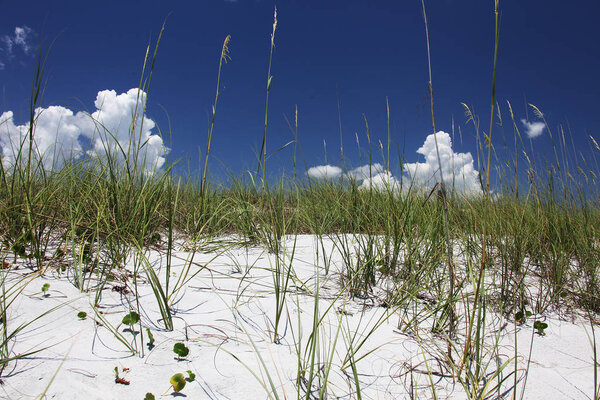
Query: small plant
[[81, 315], [191, 376], [181, 350], [45, 288], [131, 319], [178, 382], [540, 327], [149, 396], [521, 315], [150, 339], [119, 379]]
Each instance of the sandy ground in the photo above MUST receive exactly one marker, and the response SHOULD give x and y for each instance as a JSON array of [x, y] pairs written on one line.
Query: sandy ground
[[225, 316]]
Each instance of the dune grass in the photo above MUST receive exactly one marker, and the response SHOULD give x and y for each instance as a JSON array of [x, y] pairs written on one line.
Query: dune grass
[[445, 262]]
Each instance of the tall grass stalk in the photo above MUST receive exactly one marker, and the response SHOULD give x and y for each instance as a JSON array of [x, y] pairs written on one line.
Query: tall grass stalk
[[478, 287], [449, 260], [262, 156], [223, 59]]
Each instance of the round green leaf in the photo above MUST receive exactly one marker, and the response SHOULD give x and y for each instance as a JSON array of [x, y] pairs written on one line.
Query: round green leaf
[[191, 376], [178, 382], [180, 349], [131, 319]]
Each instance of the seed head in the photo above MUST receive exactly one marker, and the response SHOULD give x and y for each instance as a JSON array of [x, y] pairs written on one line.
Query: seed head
[[274, 27], [225, 50]]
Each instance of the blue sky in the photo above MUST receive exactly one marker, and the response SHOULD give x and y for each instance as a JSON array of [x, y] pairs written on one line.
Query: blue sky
[[365, 50]]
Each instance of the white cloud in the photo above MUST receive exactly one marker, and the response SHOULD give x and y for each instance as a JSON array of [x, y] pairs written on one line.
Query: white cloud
[[120, 128], [20, 38], [365, 172], [533, 129], [22, 33], [8, 44], [383, 181], [324, 172], [358, 174], [116, 128], [457, 168], [56, 132]]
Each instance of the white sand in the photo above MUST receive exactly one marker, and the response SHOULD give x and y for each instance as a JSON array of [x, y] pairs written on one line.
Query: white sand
[[225, 315]]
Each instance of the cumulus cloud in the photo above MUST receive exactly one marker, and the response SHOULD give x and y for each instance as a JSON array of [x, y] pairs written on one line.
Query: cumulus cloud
[[533, 129], [383, 181], [324, 172], [56, 133], [458, 170], [358, 174], [365, 172], [118, 126], [114, 130]]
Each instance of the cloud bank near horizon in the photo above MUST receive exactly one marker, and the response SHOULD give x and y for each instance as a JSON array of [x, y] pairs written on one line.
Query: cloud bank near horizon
[[457, 168], [324, 172], [115, 129], [332, 171]]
